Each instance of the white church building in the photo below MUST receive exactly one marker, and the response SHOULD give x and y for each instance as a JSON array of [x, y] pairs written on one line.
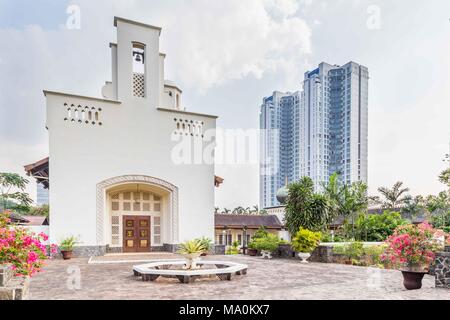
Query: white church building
[[117, 181]]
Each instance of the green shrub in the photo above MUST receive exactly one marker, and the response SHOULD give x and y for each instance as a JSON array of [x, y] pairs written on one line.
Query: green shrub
[[373, 254], [359, 254], [232, 250], [306, 240], [260, 233], [352, 251], [339, 236], [376, 227], [268, 243]]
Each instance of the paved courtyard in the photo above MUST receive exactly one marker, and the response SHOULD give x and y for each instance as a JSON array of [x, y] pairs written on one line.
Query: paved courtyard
[[112, 278]]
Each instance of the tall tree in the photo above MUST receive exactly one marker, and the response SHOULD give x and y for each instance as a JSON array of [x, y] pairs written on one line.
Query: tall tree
[[393, 197], [306, 209], [12, 192]]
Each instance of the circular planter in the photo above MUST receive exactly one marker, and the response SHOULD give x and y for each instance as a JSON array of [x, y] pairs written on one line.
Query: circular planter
[[67, 255], [304, 256], [412, 280]]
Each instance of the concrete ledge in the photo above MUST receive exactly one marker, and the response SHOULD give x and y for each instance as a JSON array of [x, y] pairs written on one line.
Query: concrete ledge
[[6, 274], [16, 289]]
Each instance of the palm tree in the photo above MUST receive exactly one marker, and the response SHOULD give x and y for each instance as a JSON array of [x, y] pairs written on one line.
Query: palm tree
[[413, 206], [226, 211], [394, 197], [333, 191], [304, 208], [216, 210]]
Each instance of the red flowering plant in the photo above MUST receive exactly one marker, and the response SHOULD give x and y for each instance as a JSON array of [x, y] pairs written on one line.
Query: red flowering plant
[[23, 249], [413, 247]]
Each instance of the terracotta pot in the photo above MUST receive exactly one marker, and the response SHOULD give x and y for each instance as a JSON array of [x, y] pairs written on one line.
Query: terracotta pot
[[252, 252], [412, 280], [67, 255]]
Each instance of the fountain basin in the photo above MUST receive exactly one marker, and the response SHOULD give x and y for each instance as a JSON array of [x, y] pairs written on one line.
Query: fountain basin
[[224, 270]]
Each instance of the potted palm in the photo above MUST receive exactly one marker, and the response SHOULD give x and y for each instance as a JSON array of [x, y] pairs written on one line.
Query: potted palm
[[208, 244], [304, 243], [411, 249], [66, 246], [191, 250]]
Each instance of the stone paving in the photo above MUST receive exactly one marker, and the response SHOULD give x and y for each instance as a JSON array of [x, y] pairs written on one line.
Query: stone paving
[[266, 279]]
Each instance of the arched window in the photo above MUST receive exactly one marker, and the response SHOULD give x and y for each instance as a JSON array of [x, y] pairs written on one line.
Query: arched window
[[138, 57]]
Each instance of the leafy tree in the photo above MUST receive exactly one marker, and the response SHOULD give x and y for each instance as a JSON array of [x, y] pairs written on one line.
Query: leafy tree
[[444, 177], [12, 192], [439, 209], [376, 227], [393, 197], [306, 209], [346, 200]]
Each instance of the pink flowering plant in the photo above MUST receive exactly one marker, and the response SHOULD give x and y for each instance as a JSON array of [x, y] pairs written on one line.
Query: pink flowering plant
[[412, 247], [23, 249]]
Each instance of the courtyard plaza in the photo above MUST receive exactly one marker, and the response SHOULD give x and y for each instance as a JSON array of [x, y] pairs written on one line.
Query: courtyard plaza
[[111, 278]]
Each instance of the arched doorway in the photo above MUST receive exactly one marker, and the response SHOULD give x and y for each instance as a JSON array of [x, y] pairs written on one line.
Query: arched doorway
[[137, 214]]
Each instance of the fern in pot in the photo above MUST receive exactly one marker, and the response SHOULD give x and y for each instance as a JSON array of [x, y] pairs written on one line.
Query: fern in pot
[[66, 246], [191, 251], [305, 242]]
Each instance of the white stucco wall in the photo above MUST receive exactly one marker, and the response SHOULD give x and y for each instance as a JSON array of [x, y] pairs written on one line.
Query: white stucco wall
[[134, 139]]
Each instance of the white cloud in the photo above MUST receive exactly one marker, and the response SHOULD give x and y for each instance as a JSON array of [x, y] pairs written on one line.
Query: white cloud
[[235, 39]]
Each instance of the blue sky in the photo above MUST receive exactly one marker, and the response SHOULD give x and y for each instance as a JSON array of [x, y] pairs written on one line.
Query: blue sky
[[20, 13], [228, 55]]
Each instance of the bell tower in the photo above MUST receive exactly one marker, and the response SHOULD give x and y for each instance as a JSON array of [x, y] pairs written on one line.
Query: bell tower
[[138, 62]]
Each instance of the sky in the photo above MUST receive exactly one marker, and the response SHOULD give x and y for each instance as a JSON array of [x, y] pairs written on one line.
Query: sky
[[227, 55]]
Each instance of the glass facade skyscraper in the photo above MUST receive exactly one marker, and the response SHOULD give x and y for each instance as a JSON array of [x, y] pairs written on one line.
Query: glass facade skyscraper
[[316, 132]]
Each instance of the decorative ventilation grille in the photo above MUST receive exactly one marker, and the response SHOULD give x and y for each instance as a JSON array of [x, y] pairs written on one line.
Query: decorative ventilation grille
[[156, 230], [115, 230], [192, 128], [138, 85], [83, 114]]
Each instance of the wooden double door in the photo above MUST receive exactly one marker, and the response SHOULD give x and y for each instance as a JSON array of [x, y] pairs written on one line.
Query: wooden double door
[[136, 234]]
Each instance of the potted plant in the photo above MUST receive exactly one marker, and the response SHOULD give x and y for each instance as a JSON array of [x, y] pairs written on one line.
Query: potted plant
[[411, 249], [304, 243], [252, 251], [66, 247], [260, 233], [191, 250], [266, 245], [354, 251], [208, 244]]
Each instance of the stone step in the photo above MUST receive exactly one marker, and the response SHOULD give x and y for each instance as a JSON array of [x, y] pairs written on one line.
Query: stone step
[[6, 274]]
